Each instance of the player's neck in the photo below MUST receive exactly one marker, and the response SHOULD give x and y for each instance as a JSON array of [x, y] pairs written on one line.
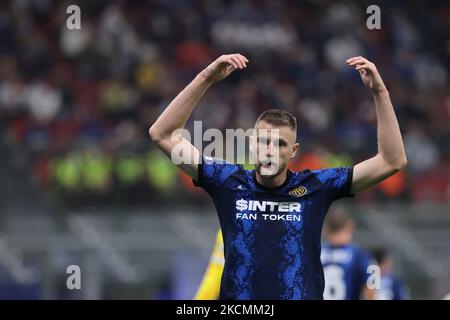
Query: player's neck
[[272, 181]]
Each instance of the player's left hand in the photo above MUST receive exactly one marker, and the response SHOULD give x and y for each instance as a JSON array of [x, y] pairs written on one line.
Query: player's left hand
[[368, 72]]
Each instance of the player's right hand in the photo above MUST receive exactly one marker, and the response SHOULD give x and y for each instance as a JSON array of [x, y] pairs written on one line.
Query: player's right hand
[[223, 66]]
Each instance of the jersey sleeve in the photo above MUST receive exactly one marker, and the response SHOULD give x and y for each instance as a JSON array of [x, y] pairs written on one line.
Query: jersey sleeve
[[336, 181], [212, 173]]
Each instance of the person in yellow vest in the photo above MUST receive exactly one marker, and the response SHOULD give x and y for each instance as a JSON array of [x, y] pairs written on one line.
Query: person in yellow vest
[[210, 285]]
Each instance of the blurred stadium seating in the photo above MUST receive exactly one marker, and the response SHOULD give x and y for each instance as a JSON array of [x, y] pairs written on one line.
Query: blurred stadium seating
[[81, 183]]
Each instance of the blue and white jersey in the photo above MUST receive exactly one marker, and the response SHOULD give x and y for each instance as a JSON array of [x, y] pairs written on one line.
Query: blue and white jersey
[[392, 289], [272, 235], [346, 271]]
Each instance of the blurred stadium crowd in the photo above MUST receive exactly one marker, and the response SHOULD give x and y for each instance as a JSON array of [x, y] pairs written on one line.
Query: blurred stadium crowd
[[75, 105]]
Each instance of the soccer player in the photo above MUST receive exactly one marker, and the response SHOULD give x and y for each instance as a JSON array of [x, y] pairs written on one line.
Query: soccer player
[[392, 288], [271, 218], [210, 286], [345, 265]]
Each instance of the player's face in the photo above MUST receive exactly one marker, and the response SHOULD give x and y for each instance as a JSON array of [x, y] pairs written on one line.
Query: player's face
[[273, 147]]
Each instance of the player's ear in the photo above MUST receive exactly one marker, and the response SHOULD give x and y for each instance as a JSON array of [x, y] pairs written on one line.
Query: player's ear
[[295, 148]]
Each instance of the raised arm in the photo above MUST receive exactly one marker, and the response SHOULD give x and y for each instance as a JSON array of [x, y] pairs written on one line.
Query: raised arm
[[164, 131], [391, 155]]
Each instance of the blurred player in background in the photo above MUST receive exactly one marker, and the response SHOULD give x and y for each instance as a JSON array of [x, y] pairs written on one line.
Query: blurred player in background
[[271, 218], [392, 288], [209, 288], [345, 265]]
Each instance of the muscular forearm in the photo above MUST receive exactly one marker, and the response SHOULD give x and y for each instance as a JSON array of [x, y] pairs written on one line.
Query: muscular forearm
[[178, 111], [164, 131], [391, 155], [390, 143]]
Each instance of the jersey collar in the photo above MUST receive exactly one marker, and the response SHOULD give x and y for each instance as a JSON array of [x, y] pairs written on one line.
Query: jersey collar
[[285, 183]]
